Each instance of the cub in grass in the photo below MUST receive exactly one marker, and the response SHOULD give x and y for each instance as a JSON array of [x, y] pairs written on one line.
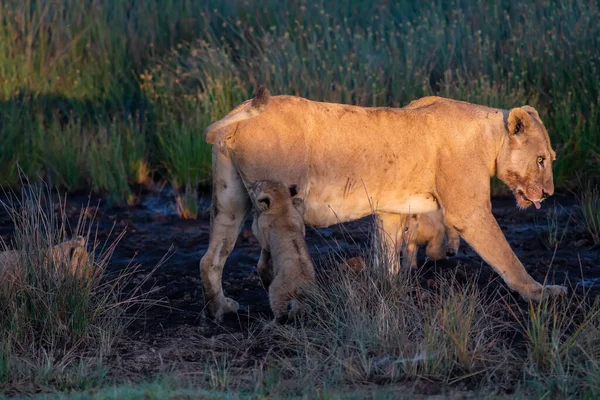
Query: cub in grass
[[72, 254], [285, 266]]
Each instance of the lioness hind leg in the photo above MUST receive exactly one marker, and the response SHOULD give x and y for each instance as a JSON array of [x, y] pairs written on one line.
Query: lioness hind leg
[[228, 211]]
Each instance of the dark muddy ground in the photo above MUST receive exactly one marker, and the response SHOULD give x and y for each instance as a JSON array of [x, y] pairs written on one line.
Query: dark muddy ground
[[178, 333]]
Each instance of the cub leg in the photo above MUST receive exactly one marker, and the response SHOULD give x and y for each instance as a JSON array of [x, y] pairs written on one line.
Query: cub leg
[[394, 234], [453, 241], [411, 254], [435, 242], [265, 268], [279, 298]]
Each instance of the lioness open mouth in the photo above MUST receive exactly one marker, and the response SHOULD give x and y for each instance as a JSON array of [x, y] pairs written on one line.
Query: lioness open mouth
[[527, 202]]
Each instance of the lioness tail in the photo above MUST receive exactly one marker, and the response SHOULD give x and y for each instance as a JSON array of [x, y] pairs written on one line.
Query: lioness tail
[[249, 109]]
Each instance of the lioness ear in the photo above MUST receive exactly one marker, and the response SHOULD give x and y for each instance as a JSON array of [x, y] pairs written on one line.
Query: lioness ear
[[263, 201], [531, 111], [518, 121], [299, 204]]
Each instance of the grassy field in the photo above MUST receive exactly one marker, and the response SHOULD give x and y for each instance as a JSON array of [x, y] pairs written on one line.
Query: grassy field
[[109, 94]]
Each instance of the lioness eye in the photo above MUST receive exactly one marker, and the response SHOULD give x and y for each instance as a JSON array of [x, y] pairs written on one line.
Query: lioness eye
[[540, 160]]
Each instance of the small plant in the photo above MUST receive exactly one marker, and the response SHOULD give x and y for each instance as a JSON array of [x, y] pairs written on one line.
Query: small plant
[[589, 206], [187, 202], [561, 356], [552, 231]]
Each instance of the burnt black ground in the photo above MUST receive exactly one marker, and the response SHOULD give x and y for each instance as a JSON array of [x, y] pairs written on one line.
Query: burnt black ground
[[152, 227]]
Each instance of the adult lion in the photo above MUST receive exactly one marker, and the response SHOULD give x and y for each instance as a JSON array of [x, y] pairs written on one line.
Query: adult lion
[[349, 162]]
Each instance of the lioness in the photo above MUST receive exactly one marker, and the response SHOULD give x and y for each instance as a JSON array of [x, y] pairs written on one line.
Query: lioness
[[433, 153], [285, 266], [409, 231], [72, 254]]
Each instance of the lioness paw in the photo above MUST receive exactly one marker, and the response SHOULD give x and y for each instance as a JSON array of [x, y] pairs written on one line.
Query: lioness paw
[[554, 291], [217, 309], [540, 292]]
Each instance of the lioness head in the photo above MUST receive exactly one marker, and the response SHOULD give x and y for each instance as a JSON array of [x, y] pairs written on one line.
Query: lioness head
[[525, 159]]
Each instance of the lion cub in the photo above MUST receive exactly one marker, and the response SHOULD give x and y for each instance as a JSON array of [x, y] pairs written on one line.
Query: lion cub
[[71, 253], [419, 229], [285, 267]]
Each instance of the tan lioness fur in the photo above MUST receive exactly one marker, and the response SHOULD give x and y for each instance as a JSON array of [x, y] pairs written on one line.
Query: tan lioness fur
[[285, 266], [411, 231], [351, 161], [72, 254]]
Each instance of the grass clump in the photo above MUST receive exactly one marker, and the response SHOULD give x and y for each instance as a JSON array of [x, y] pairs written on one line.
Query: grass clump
[[187, 202], [448, 330], [589, 206], [61, 315], [380, 328], [551, 228]]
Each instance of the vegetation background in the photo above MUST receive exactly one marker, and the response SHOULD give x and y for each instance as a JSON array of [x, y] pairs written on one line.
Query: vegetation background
[[106, 94]]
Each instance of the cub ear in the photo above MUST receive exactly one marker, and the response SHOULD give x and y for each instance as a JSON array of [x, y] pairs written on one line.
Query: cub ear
[[299, 205], [80, 241], [293, 190], [518, 121], [263, 201]]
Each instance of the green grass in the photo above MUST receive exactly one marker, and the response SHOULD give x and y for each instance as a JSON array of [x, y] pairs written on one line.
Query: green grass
[[589, 207], [119, 81]]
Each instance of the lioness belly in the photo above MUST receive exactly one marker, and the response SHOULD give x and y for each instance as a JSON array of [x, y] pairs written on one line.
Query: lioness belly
[[322, 213]]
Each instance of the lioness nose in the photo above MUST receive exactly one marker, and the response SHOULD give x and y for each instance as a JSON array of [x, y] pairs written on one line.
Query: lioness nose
[[547, 189], [545, 195]]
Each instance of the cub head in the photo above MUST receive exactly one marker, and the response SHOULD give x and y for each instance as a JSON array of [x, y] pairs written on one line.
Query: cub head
[[525, 159], [74, 255], [275, 201]]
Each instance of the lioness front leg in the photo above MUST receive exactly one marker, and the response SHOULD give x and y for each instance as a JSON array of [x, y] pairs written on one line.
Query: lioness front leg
[[483, 234]]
